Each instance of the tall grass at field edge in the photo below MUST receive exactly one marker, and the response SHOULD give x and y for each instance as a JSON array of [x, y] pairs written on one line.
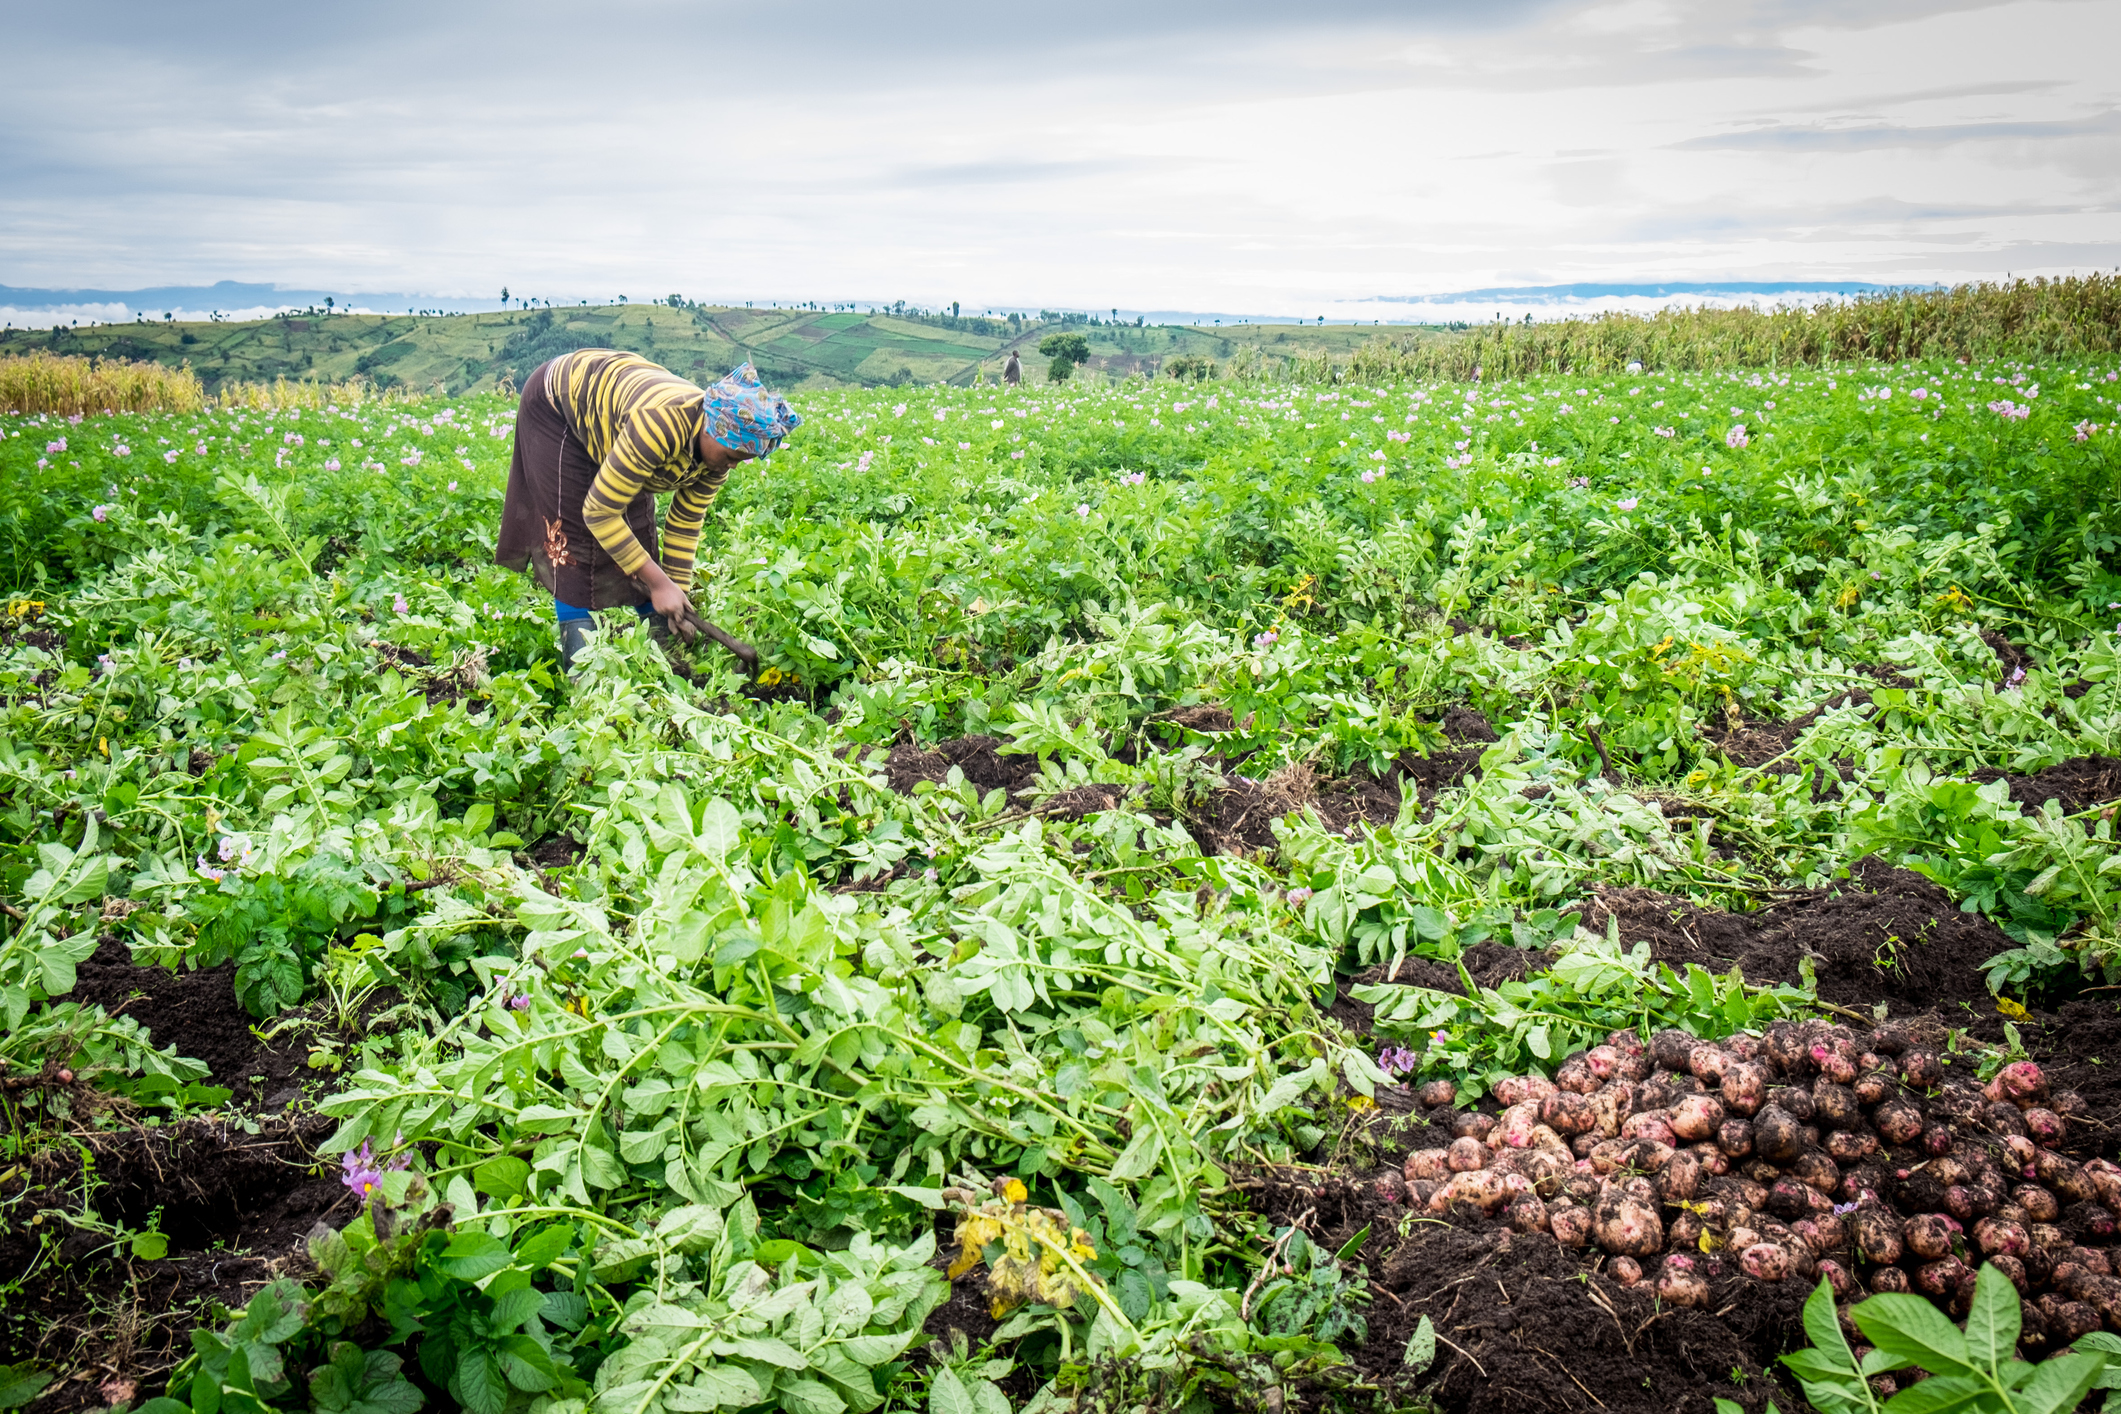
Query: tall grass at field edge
[[68, 385], [2025, 318]]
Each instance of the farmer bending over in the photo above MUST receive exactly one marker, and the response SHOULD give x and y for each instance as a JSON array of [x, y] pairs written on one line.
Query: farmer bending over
[[598, 434]]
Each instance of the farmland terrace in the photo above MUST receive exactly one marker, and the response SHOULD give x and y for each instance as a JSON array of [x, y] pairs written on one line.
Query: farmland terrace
[[803, 349]]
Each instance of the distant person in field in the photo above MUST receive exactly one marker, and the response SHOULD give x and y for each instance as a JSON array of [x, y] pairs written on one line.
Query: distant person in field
[[1012, 371], [598, 434]]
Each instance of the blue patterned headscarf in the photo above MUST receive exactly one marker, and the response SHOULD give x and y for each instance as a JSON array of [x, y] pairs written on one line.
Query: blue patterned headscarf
[[744, 417]]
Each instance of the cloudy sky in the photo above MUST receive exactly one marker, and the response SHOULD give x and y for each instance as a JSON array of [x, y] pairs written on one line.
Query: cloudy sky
[[1224, 155]]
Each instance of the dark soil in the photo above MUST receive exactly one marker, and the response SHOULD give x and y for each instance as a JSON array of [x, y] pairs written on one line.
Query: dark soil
[[449, 683], [1208, 717], [2075, 785], [1887, 934], [197, 1012], [1346, 803], [557, 852], [1469, 734], [1488, 964], [1531, 1327], [1077, 802], [235, 1207], [2010, 655], [984, 767], [50, 640], [1239, 817], [1753, 743]]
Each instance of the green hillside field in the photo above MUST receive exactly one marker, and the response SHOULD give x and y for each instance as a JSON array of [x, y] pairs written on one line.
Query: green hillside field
[[805, 349]]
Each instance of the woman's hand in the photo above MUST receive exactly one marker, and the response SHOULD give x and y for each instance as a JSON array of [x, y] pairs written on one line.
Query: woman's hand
[[668, 600]]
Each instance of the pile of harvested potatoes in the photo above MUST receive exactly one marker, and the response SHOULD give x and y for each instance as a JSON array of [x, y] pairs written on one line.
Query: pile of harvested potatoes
[[1810, 1150]]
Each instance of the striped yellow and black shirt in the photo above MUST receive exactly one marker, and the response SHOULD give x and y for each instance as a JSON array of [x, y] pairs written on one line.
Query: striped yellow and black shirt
[[641, 425]]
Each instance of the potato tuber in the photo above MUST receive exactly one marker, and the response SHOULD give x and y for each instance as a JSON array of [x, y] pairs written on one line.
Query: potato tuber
[[1571, 1226], [1428, 1163], [1697, 1117], [1573, 1076], [1890, 1281], [1777, 1137], [1628, 1228], [2001, 1238], [1680, 1284], [1435, 1094], [1921, 1068], [2044, 1127], [1848, 1146], [1940, 1278], [1567, 1114], [1471, 1123], [2022, 1081], [1745, 1086], [1877, 1234], [2064, 1175], [1466, 1155], [1929, 1236], [1706, 1063], [1625, 1270], [1834, 1106], [1680, 1178], [1765, 1261], [1815, 1170], [1519, 1088], [1528, 1214], [1898, 1121]]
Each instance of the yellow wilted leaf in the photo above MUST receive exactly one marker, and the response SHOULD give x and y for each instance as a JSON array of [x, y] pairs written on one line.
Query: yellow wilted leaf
[[2006, 1007], [1359, 1103], [1710, 1241], [1014, 1191]]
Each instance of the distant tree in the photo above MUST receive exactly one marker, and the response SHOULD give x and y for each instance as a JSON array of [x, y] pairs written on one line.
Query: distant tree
[[674, 301], [953, 309], [504, 294], [1066, 351]]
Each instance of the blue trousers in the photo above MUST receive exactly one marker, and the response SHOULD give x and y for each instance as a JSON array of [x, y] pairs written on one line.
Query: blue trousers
[[568, 613]]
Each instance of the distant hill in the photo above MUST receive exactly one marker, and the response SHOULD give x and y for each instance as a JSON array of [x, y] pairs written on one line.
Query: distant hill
[[793, 348]]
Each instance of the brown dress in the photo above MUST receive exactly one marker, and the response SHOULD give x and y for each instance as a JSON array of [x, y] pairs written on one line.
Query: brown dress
[[541, 522]]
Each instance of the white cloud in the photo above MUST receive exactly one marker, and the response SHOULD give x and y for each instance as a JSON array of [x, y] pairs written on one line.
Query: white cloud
[[1185, 156]]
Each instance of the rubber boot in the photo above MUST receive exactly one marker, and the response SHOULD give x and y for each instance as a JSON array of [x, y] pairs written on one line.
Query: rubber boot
[[574, 637]]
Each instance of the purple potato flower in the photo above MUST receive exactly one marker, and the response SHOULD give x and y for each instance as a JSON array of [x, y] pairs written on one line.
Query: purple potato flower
[[1398, 1060], [362, 1177]]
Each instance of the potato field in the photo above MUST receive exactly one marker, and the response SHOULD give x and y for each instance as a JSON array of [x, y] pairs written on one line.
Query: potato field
[[1576, 894]]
